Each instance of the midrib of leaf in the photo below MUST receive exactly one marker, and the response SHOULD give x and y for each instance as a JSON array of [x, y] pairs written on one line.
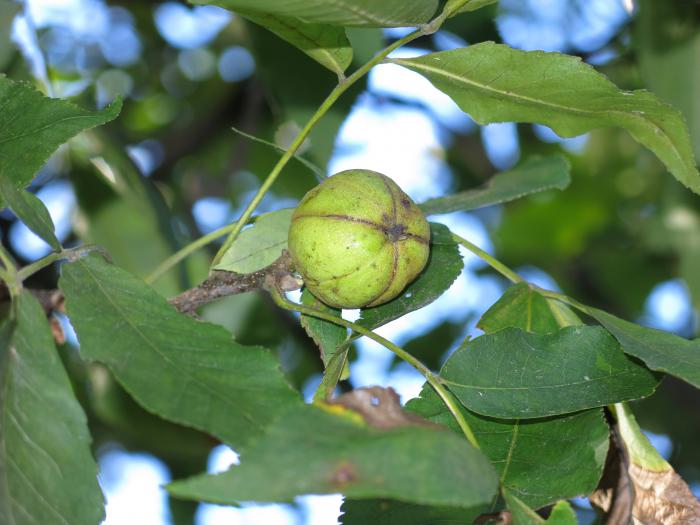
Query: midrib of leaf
[[315, 42], [3, 443], [356, 11], [39, 130], [29, 484], [8, 459], [656, 352], [253, 254], [511, 448], [534, 387], [164, 356], [586, 112]]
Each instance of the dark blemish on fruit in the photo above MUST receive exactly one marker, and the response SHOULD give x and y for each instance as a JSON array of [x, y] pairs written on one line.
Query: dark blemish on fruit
[[405, 203]]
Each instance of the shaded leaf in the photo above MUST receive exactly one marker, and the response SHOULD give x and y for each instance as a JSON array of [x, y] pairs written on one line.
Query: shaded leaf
[[388, 13], [533, 175], [391, 512], [495, 83], [328, 336], [539, 461], [336, 369], [444, 266], [659, 350], [327, 45], [181, 369], [32, 126], [338, 452], [259, 245], [515, 374], [30, 210], [521, 514], [47, 473]]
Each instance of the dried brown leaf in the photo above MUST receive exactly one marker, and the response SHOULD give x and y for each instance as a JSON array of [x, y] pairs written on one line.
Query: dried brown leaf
[[380, 407]]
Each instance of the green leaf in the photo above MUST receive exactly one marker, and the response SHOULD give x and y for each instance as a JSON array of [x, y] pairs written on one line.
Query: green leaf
[[47, 473], [444, 266], [32, 126], [387, 13], [562, 513], [523, 307], [327, 45], [471, 5], [495, 83], [391, 512], [328, 336], [516, 374], [181, 369], [30, 210], [540, 461], [337, 451], [259, 245], [659, 350], [534, 175]]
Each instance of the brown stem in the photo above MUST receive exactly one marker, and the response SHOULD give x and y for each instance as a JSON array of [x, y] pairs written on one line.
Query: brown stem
[[221, 284]]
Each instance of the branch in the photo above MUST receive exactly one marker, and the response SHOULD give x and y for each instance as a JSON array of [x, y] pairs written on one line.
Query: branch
[[221, 284]]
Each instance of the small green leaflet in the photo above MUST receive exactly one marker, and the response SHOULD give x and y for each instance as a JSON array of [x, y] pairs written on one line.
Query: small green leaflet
[[369, 13], [516, 374], [32, 126], [444, 266], [521, 514], [327, 45], [470, 5], [327, 336], [47, 473], [339, 452], [523, 307], [659, 350], [183, 370], [533, 175], [538, 460], [495, 83], [259, 245], [30, 210]]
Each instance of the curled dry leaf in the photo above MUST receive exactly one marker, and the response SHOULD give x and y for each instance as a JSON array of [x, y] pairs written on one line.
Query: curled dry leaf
[[639, 486], [380, 407]]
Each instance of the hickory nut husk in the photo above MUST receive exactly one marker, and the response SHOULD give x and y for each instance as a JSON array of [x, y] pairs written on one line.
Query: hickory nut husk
[[357, 239]]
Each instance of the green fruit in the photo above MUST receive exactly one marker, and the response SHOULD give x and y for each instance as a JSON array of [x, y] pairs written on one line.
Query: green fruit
[[358, 240]]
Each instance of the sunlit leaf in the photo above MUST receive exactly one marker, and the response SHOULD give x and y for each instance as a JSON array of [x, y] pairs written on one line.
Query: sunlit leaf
[[495, 83], [47, 473], [258, 246]]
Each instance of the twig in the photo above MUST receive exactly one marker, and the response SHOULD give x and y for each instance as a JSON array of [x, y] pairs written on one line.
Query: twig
[[221, 284]]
